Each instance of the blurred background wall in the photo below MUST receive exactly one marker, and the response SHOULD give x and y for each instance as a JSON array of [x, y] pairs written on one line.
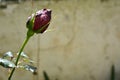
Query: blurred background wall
[[83, 43]]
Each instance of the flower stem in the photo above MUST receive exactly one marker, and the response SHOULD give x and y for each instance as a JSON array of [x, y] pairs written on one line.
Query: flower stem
[[18, 57]]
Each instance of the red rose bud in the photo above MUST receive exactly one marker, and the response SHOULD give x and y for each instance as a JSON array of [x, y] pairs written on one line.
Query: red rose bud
[[39, 21]]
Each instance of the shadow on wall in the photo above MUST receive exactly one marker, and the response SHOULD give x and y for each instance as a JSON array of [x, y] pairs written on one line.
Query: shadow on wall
[[4, 3], [104, 0]]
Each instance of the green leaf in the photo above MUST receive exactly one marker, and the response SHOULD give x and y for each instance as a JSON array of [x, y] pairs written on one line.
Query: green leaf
[[23, 55], [31, 61], [8, 54], [6, 63], [28, 61], [46, 77], [30, 68], [112, 72]]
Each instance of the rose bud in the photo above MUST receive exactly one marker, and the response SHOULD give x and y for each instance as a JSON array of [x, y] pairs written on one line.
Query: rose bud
[[39, 21]]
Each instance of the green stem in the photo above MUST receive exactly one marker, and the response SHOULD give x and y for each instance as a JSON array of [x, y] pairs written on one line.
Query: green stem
[[16, 63]]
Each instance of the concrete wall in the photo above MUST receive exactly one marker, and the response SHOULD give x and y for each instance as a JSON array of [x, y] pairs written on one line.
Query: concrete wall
[[83, 43]]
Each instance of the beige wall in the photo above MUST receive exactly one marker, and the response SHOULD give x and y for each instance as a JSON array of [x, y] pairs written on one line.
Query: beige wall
[[83, 43]]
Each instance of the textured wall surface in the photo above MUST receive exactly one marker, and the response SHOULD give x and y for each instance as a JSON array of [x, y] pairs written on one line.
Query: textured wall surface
[[83, 43]]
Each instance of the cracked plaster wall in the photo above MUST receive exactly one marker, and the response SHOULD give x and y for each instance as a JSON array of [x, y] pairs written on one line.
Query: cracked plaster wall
[[83, 43]]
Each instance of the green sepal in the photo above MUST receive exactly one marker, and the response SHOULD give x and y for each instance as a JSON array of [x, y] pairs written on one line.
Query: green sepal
[[30, 23], [30, 33]]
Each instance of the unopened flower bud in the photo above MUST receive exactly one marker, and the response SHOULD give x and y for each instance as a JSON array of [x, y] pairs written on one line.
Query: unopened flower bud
[[39, 21]]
